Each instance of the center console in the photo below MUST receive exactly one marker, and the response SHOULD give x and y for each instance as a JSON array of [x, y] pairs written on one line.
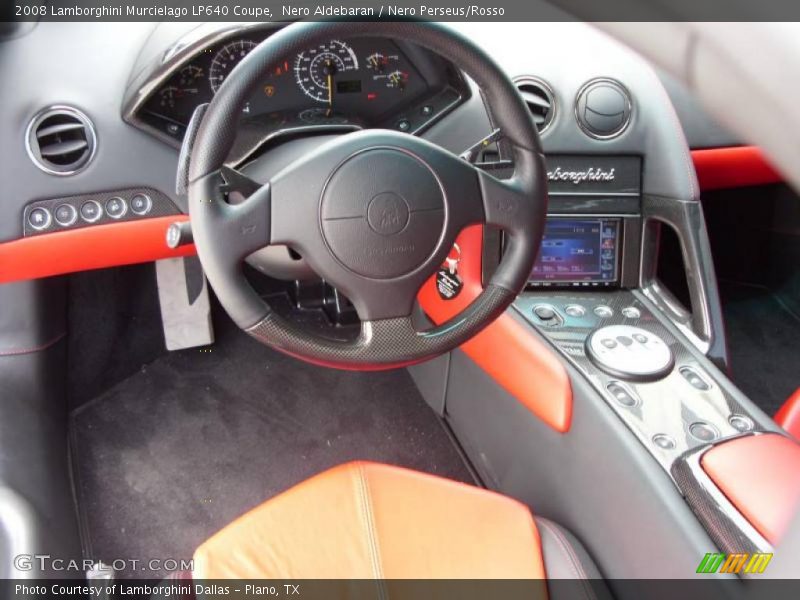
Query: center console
[[650, 377], [594, 296]]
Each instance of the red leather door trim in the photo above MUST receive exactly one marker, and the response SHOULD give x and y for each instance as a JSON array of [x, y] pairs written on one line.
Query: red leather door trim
[[760, 475], [739, 166], [788, 416], [507, 350], [93, 247]]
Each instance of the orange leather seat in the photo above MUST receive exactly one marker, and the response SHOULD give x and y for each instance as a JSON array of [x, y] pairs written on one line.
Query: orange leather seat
[[371, 521]]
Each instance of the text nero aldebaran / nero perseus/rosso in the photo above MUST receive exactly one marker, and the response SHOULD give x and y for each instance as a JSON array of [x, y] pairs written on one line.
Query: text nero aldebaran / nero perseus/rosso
[[255, 12]]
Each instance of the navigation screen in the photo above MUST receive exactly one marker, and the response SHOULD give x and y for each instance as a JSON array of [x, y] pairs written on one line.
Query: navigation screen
[[578, 252]]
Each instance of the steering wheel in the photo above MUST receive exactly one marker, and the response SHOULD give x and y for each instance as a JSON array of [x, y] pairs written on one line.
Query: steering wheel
[[374, 212]]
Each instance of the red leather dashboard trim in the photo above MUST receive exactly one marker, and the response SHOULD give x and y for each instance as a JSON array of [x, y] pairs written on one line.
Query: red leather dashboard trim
[[739, 166], [760, 475], [788, 416], [507, 350], [94, 247]]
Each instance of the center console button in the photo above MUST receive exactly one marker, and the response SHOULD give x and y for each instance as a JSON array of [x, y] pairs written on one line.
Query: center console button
[[621, 394], [663, 441], [609, 343], [624, 340], [544, 312], [694, 379], [631, 312], [741, 423], [66, 215], [639, 337], [116, 207], [703, 431], [575, 310], [603, 311], [91, 211]]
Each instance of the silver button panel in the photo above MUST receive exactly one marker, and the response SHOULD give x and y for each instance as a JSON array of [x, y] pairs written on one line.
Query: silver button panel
[[101, 208], [668, 391], [629, 352]]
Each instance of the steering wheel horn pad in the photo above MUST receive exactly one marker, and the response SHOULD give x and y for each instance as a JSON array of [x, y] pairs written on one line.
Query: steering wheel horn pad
[[382, 213], [375, 212]]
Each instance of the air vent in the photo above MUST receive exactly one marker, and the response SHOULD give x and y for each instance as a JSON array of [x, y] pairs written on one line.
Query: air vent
[[603, 108], [61, 140], [540, 100]]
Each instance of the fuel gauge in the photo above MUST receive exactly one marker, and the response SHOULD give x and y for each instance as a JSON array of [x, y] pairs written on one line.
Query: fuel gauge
[[397, 80]]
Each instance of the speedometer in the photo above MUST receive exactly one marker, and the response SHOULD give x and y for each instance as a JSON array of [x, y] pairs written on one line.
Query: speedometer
[[228, 57], [316, 68]]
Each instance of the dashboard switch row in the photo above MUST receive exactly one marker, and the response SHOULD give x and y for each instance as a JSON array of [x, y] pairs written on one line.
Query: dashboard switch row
[[62, 213]]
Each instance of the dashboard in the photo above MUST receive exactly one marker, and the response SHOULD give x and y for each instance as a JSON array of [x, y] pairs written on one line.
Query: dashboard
[[360, 83], [135, 87]]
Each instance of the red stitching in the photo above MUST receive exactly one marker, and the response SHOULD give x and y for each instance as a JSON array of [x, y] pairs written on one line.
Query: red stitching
[[44, 346]]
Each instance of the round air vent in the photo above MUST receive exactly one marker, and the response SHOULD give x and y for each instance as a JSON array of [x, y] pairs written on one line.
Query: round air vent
[[603, 108], [61, 140], [540, 100]]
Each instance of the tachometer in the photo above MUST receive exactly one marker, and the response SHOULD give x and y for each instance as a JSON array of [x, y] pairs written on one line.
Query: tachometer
[[316, 68], [226, 59]]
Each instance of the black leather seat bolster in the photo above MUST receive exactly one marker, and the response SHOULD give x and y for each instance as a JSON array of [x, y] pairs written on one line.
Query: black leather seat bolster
[[571, 573]]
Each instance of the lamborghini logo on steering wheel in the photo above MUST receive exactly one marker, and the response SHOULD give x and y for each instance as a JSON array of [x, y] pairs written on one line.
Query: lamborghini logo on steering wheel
[[390, 217], [388, 213]]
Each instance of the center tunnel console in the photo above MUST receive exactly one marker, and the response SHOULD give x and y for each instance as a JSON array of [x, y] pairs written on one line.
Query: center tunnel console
[[634, 353], [594, 295]]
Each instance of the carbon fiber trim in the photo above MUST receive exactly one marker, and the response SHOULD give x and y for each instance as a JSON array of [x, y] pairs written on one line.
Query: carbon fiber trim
[[730, 531], [185, 156], [387, 343]]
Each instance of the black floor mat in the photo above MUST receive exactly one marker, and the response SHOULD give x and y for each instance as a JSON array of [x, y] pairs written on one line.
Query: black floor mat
[[762, 340], [195, 439]]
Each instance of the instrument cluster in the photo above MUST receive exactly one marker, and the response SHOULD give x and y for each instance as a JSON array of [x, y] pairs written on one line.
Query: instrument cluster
[[365, 82]]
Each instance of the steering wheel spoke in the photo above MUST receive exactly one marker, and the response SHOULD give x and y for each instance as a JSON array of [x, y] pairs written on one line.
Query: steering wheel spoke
[[238, 229], [237, 182], [243, 228], [505, 202]]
